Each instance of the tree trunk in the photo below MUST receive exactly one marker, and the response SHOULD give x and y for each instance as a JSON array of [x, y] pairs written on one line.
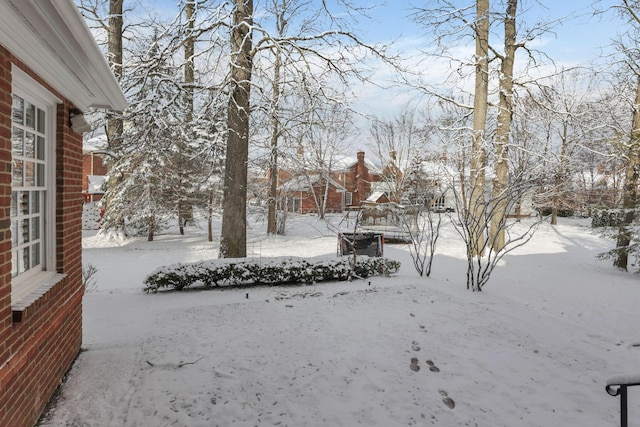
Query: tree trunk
[[563, 172], [114, 37], [184, 208], [272, 227], [233, 238], [114, 124], [499, 189], [189, 52], [151, 226], [476, 213], [630, 189], [210, 218]]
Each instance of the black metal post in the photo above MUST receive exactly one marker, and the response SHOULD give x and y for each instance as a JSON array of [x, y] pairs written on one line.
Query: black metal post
[[618, 387], [623, 406]]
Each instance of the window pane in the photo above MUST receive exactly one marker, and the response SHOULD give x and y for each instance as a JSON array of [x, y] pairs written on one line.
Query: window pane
[[30, 115], [17, 141], [40, 175], [35, 202], [40, 148], [14, 203], [17, 173], [25, 231], [35, 228], [17, 113], [14, 263], [14, 234], [29, 145], [24, 203], [25, 265], [35, 255], [30, 174], [41, 127]]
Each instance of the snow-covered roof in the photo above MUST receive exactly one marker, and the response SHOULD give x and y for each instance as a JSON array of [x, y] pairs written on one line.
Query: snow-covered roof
[[53, 40], [303, 182], [346, 162], [375, 196]]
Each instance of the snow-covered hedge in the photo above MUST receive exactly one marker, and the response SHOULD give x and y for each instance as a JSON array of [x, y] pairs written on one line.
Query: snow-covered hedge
[[280, 271]]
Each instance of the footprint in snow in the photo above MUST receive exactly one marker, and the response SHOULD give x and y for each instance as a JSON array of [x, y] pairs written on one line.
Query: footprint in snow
[[432, 367], [414, 364], [446, 399], [415, 346]]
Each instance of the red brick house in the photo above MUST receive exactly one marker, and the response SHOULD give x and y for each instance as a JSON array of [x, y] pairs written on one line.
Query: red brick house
[[348, 185], [51, 70]]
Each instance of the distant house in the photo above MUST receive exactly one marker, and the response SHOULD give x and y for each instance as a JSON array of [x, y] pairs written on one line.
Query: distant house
[[93, 183], [341, 189], [51, 71], [93, 170]]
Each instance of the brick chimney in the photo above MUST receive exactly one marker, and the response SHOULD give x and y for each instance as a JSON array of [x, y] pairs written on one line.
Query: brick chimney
[[360, 161]]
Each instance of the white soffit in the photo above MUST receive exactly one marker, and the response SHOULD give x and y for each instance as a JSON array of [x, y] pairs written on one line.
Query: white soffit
[[51, 38]]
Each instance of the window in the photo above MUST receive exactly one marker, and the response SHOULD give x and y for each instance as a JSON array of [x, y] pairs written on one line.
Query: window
[[348, 198], [32, 186]]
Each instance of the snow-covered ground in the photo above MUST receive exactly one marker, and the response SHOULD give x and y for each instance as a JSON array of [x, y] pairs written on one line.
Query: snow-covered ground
[[535, 348]]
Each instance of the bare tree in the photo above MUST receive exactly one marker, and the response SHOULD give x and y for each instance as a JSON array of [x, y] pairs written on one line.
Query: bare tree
[[517, 233], [233, 238], [423, 226], [322, 142], [503, 130], [396, 141], [312, 50], [476, 209]]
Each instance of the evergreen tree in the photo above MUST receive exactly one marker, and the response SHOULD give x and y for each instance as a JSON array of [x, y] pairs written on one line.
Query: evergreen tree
[[146, 162]]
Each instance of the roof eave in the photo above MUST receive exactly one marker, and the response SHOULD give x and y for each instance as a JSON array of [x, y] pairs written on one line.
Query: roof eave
[[52, 39]]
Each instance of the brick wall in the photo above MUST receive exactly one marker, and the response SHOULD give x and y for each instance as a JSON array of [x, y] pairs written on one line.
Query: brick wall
[[39, 344]]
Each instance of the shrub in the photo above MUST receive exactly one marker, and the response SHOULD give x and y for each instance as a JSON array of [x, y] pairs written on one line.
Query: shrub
[[280, 271], [607, 218], [89, 279]]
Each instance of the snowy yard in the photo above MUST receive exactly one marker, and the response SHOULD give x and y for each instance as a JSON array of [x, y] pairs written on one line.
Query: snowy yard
[[535, 348]]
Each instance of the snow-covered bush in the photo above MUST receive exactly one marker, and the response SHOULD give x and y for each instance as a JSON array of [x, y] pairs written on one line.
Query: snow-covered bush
[[280, 271], [607, 218]]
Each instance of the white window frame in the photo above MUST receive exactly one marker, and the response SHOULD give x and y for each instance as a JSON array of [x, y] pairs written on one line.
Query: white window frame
[[31, 91], [348, 198]]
